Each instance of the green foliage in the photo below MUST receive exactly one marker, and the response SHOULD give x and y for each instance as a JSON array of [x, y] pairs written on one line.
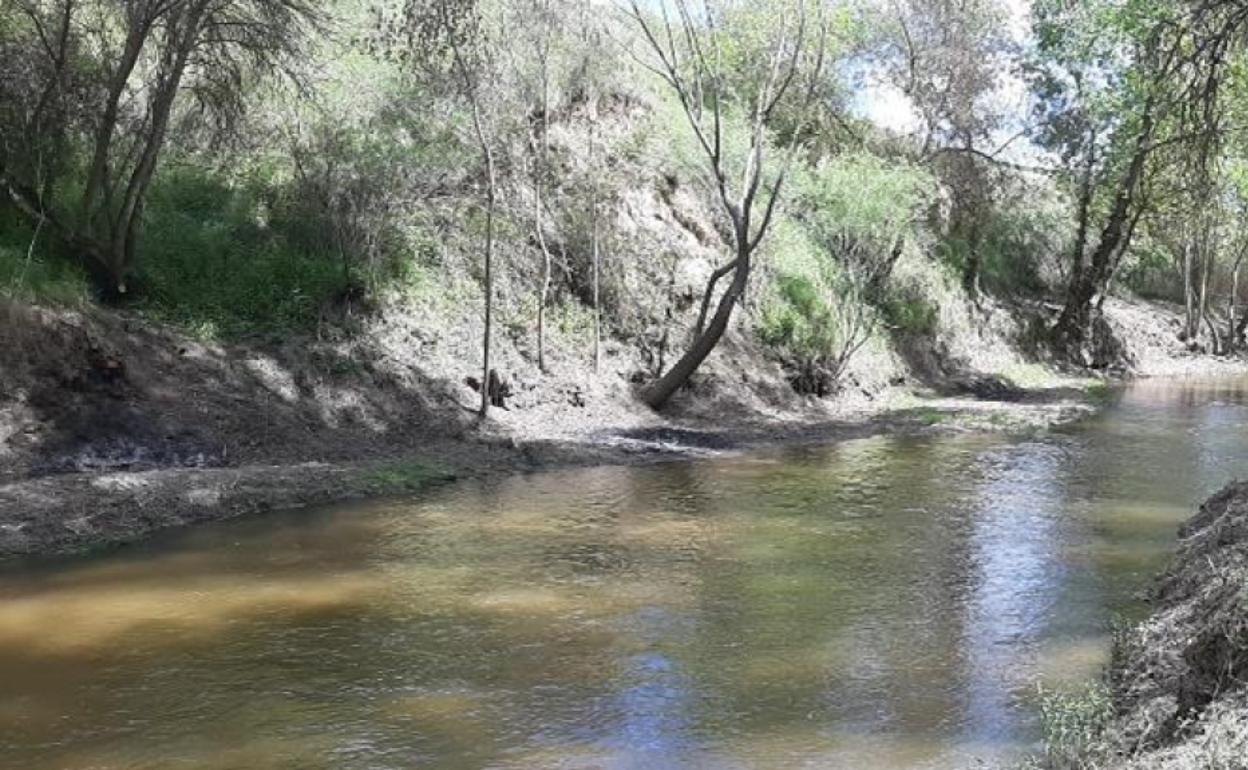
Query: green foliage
[[908, 310], [1099, 392], [41, 274], [860, 200], [211, 260], [405, 478], [802, 321], [930, 416], [1072, 721], [832, 256], [1149, 272]]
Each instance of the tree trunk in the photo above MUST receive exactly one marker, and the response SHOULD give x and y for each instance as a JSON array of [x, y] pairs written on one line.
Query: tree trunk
[[539, 179], [1206, 269], [491, 196], [596, 259], [1189, 300], [98, 184], [970, 278], [658, 394], [1075, 321], [1232, 307], [123, 225], [543, 291]]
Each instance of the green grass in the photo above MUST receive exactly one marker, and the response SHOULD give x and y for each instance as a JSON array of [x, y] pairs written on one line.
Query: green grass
[[908, 312], [1099, 392], [930, 416], [208, 260], [1072, 722], [406, 478], [38, 275]]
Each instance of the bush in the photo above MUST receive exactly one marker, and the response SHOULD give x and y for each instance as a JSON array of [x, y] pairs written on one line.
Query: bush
[[1149, 272], [859, 206], [818, 327], [210, 260], [1023, 234], [908, 311], [1072, 722], [41, 274]]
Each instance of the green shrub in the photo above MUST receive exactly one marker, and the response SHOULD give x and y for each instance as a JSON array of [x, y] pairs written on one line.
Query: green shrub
[[863, 204], [833, 254], [802, 321], [209, 259], [908, 311], [815, 316], [41, 274], [406, 477], [1149, 272], [1072, 721], [1022, 231]]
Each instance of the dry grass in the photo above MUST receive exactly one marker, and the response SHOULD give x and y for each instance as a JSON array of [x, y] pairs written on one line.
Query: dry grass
[[1178, 679]]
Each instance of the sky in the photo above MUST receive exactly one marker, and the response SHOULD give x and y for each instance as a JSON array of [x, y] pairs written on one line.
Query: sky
[[885, 105]]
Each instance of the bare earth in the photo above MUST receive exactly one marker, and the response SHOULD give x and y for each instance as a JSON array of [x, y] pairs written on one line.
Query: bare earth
[[112, 428]]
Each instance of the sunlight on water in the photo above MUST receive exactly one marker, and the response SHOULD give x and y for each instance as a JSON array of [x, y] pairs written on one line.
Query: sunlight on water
[[886, 603]]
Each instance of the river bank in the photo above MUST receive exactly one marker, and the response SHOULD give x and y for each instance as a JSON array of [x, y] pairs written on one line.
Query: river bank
[[695, 613], [1177, 680], [68, 513], [112, 427]]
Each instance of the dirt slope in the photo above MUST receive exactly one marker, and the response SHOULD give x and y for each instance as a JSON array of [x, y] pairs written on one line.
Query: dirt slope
[[1180, 679]]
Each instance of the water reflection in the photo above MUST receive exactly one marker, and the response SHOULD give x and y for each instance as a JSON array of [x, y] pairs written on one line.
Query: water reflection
[[1016, 547], [884, 603]]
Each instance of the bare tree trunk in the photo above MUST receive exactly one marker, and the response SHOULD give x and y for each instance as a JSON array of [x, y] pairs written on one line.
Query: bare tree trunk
[[1206, 269], [596, 256], [591, 39], [121, 226], [1232, 305], [1189, 301], [709, 293], [97, 178], [489, 287], [706, 340], [690, 88], [543, 291], [487, 154], [539, 179], [126, 225]]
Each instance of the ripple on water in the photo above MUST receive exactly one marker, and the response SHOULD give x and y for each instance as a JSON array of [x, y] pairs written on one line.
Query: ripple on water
[[889, 602]]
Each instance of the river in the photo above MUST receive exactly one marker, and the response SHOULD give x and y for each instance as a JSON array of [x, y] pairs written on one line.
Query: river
[[887, 602]]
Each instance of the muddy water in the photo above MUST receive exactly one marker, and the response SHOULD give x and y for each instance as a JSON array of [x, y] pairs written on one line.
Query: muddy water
[[882, 603]]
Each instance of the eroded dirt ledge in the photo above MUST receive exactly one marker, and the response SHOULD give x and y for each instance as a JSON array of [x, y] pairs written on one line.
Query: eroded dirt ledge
[[112, 427], [1179, 680]]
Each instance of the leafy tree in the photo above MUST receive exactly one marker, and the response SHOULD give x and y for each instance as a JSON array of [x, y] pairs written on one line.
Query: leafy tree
[[1116, 84], [112, 73], [459, 39], [947, 57]]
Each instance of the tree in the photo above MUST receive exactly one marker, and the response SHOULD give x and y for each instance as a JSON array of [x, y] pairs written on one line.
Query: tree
[[1117, 83], [38, 92], [542, 24], [947, 57], [688, 55], [455, 36], [131, 82]]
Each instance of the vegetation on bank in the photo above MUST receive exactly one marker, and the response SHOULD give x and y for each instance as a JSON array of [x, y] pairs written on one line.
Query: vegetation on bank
[[265, 166], [1174, 694]]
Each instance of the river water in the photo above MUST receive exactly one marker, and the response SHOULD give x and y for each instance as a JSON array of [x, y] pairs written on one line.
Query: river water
[[889, 602]]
